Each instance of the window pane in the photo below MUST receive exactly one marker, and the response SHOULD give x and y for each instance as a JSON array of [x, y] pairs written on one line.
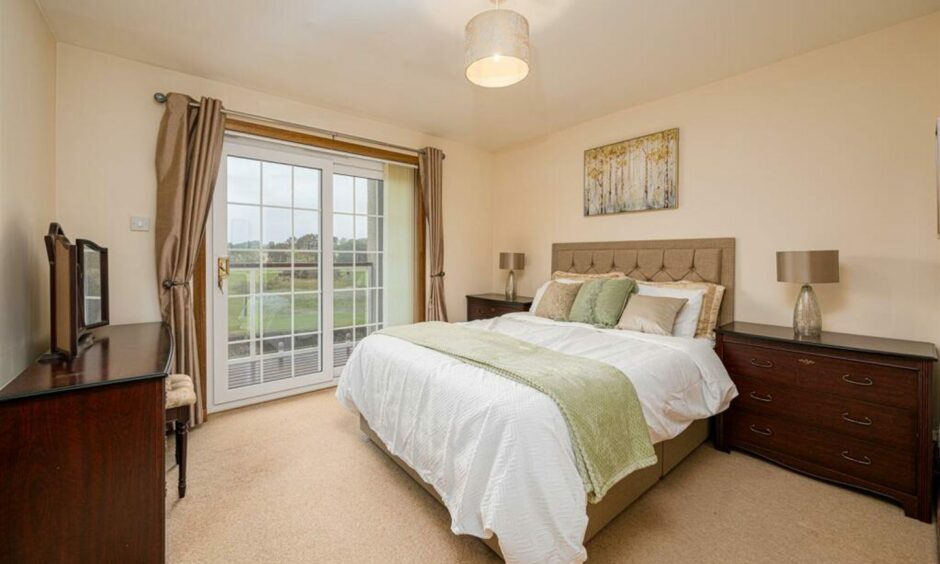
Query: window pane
[[306, 279], [276, 184], [342, 277], [362, 233], [276, 315], [244, 258], [239, 350], [244, 180], [306, 259], [276, 280], [307, 355], [306, 230], [241, 281], [343, 233], [361, 307], [276, 346], [342, 259], [277, 228], [368, 270], [306, 313], [376, 198], [240, 316], [362, 195], [276, 258], [306, 187], [342, 309], [244, 227], [343, 193]]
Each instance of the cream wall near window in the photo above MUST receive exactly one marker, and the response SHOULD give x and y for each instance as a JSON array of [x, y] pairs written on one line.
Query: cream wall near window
[[107, 123], [833, 149], [27, 182]]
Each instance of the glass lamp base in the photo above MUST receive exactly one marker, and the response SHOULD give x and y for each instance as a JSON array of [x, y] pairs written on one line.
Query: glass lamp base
[[807, 317], [511, 286]]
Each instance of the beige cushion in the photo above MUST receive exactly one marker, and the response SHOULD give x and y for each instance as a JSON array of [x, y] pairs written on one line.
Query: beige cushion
[[562, 275], [711, 303], [556, 301], [179, 391], [651, 314]]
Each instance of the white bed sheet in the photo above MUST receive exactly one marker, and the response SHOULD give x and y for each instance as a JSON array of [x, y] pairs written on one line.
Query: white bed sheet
[[498, 452]]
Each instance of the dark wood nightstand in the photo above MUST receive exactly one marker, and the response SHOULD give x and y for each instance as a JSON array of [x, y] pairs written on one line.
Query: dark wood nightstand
[[845, 408], [484, 306]]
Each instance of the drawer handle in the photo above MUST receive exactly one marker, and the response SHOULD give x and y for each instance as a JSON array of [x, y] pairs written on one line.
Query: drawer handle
[[762, 363], [865, 382], [766, 399], [762, 431], [865, 421], [864, 460], [806, 361]]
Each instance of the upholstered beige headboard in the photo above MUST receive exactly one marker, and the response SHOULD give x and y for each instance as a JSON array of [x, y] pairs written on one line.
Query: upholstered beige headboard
[[697, 260]]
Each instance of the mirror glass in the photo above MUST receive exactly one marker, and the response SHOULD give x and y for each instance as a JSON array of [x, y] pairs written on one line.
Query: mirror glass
[[91, 285]]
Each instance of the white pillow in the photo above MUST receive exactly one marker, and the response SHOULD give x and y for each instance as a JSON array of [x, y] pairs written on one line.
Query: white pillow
[[687, 320], [538, 293]]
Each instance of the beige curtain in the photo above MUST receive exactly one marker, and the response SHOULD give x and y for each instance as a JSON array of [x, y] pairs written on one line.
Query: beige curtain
[[189, 150], [430, 167]]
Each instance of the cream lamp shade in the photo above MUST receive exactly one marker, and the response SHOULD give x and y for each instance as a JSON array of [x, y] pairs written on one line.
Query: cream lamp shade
[[511, 261], [808, 267], [496, 48]]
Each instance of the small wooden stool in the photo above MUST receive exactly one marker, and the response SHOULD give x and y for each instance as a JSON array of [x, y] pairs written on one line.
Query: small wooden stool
[[180, 395]]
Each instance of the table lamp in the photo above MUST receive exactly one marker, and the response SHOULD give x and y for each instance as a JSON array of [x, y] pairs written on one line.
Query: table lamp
[[807, 267], [511, 262]]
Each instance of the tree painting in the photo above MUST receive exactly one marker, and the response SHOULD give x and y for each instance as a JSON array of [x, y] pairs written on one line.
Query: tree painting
[[634, 175]]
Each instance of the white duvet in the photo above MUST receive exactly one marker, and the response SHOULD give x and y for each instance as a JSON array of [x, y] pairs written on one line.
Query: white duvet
[[498, 452]]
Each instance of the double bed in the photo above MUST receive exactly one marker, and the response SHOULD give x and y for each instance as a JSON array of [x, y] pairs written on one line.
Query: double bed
[[498, 453]]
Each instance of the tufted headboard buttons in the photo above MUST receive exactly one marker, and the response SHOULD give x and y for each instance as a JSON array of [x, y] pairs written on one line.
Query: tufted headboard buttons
[[669, 260]]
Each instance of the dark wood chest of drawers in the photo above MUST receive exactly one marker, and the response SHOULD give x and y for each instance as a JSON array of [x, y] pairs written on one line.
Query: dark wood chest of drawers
[[849, 409], [485, 306]]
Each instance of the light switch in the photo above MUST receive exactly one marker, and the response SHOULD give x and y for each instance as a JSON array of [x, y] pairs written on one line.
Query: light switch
[[140, 223]]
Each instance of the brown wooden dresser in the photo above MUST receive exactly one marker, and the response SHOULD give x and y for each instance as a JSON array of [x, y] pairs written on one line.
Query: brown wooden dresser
[[485, 306], [82, 476], [846, 408]]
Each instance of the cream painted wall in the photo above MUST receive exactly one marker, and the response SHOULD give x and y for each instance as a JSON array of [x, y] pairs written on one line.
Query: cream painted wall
[[831, 149], [107, 125], [27, 181]]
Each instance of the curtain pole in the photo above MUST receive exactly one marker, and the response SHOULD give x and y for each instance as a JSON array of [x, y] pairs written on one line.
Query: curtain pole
[[160, 97]]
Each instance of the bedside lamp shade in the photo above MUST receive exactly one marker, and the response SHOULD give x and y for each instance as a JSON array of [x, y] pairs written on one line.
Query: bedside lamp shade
[[808, 267], [511, 261]]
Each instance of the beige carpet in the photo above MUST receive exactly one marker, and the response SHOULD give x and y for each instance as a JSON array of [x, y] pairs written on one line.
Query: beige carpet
[[295, 481]]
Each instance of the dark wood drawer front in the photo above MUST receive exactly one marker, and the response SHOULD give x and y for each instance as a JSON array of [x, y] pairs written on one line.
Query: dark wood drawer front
[[871, 382], [872, 422], [885, 385], [485, 310], [885, 466]]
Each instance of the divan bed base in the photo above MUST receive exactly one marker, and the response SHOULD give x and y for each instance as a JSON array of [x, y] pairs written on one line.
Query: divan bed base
[[668, 453]]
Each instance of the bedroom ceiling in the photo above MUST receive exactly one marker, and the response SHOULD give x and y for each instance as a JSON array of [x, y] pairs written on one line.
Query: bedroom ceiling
[[401, 61]]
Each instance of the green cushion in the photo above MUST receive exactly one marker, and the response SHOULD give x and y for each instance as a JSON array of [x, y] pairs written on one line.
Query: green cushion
[[611, 300], [582, 310], [600, 302]]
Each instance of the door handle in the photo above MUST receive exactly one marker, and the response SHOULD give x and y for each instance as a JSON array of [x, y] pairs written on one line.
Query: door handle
[[222, 270]]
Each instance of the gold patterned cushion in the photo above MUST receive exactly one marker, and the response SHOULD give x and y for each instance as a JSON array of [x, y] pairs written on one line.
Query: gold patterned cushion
[[651, 314], [556, 301], [179, 391], [711, 303], [562, 275]]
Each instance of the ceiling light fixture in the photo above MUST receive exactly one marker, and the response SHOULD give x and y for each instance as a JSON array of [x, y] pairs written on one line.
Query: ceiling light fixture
[[496, 46]]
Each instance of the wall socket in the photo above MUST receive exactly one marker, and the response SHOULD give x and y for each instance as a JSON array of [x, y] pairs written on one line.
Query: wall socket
[[140, 223]]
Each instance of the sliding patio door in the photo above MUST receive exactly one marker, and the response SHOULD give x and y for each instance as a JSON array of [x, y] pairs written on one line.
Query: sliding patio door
[[297, 269]]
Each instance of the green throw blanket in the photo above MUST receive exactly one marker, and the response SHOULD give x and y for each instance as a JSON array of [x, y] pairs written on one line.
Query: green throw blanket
[[608, 432]]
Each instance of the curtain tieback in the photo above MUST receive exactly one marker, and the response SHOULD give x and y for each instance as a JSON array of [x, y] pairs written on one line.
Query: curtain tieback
[[438, 275], [168, 284]]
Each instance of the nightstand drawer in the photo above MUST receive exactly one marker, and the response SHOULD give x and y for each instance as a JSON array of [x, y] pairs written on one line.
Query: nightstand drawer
[[868, 421], [876, 383], [485, 306], [859, 459], [483, 310]]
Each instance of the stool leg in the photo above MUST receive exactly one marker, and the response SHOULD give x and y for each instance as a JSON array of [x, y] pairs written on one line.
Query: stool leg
[[182, 435]]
